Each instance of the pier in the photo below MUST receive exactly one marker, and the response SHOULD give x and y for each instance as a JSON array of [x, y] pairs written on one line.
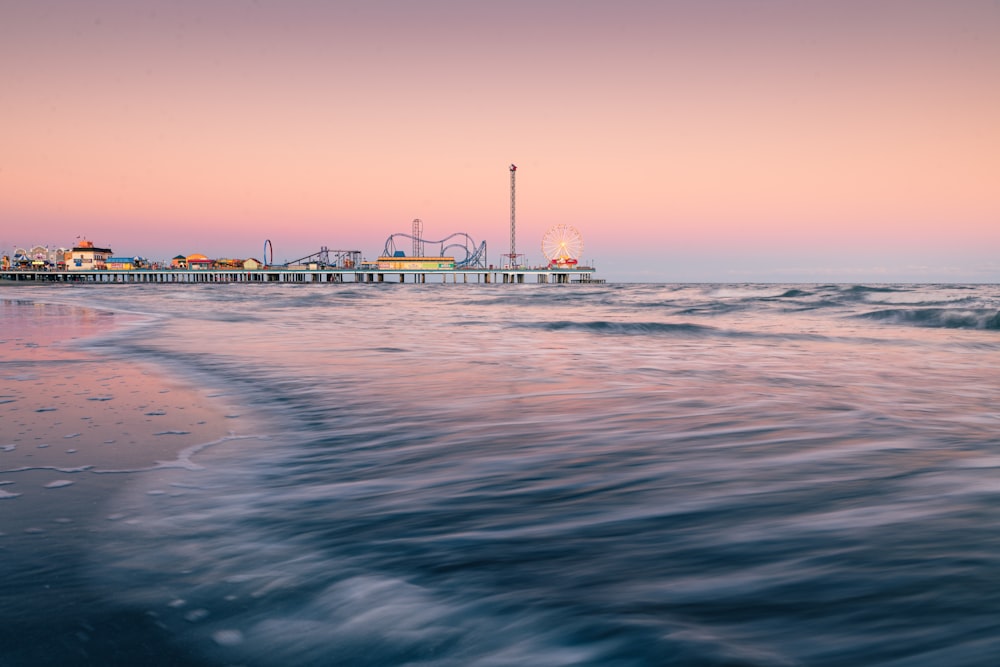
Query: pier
[[307, 275]]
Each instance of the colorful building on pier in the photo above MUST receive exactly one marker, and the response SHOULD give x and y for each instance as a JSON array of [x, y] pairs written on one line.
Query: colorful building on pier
[[126, 263], [86, 257], [400, 262]]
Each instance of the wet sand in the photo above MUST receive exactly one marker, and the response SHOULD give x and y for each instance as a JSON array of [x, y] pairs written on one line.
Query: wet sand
[[73, 423], [76, 429]]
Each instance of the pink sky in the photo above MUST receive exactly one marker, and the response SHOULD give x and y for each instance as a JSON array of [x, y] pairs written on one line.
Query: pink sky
[[722, 140]]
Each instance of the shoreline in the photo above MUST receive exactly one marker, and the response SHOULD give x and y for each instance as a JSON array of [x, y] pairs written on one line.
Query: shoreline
[[70, 411], [75, 428]]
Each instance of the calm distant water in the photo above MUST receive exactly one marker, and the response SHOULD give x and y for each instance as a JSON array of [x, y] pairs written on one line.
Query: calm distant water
[[494, 475]]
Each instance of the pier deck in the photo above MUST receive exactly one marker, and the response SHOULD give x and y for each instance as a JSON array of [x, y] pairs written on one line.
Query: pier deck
[[327, 274]]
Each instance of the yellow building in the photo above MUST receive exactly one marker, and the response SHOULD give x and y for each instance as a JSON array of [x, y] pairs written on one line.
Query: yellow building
[[125, 263], [415, 263]]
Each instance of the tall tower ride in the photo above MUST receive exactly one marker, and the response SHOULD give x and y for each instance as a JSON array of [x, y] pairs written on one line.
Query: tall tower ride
[[513, 245]]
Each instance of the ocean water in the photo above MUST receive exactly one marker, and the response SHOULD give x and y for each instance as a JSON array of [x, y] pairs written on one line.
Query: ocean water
[[491, 475]]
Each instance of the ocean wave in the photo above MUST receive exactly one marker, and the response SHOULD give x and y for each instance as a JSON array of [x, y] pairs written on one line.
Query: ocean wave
[[624, 328], [793, 293], [714, 308], [941, 318], [681, 330], [870, 289]]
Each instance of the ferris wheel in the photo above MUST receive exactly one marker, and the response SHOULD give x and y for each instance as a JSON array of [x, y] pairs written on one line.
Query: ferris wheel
[[562, 244]]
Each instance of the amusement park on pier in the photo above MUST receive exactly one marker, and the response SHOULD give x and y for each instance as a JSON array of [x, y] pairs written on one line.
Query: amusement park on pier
[[405, 257]]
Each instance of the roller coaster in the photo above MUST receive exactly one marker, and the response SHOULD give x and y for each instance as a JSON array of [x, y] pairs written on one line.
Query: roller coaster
[[471, 257], [346, 259]]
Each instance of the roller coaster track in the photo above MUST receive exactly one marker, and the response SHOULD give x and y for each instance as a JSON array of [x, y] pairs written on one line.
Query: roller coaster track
[[472, 257], [328, 257]]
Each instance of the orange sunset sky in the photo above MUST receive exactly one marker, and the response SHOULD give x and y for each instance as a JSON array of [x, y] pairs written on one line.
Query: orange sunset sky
[[708, 140]]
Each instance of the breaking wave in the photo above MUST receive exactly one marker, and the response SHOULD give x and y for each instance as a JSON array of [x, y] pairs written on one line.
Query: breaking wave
[[944, 318]]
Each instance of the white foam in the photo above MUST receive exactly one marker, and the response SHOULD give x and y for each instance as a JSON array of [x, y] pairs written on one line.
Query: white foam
[[228, 637], [59, 483], [68, 470], [6, 495], [979, 462]]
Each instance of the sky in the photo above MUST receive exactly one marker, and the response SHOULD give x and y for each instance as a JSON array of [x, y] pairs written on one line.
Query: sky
[[686, 140]]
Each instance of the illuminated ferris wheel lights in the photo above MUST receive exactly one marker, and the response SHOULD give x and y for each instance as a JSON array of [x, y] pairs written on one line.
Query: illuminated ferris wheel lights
[[562, 245]]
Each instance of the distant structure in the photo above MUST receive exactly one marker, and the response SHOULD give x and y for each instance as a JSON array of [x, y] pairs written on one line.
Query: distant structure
[[327, 258], [458, 248], [513, 227], [562, 245], [85, 256], [417, 233], [513, 257], [39, 258], [456, 255]]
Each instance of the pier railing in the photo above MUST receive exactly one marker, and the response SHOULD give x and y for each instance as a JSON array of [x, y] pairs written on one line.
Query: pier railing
[[307, 275]]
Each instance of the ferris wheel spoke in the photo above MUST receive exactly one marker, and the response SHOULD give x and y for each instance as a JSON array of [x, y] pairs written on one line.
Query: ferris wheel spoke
[[562, 244]]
